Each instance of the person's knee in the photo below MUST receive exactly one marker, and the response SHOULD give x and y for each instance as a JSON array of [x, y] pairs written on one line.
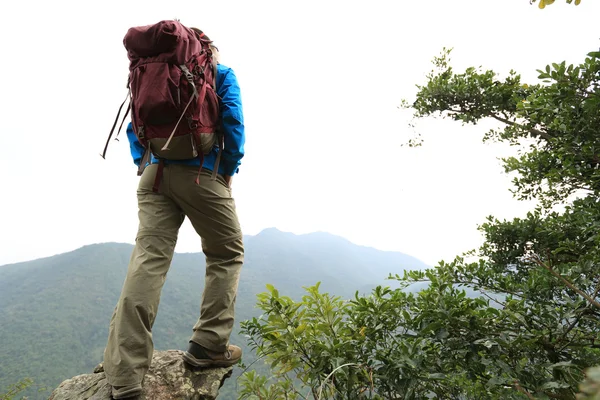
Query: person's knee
[[231, 250], [137, 305], [156, 236]]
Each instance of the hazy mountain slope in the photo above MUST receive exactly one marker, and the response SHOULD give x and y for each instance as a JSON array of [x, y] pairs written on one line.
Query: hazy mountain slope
[[54, 312]]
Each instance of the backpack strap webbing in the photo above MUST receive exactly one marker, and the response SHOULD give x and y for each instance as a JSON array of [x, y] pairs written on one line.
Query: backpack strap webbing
[[218, 160], [123, 121], [145, 159], [200, 168], [117, 120], [159, 175]]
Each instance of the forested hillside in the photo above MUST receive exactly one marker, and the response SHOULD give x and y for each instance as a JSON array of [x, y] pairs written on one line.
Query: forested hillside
[[54, 312]]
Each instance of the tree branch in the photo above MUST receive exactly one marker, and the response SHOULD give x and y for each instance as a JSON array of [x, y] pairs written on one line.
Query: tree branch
[[580, 292], [569, 329], [473, 284], [597, 290], [525, 392], [558, 396], [577, 186], [542, 134], [493, 299]]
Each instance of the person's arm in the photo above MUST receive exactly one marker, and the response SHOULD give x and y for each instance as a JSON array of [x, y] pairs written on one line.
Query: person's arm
[[137, 150], [232, 122]]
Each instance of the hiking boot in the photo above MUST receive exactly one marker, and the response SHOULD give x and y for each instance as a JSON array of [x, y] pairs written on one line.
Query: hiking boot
[[126, 392], [199, 356]]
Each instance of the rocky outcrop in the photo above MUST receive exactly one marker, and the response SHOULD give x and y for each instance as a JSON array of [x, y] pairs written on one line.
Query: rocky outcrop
[[169, 378]]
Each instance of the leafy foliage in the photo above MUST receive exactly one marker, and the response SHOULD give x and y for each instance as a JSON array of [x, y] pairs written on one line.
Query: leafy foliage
[[521, 322], [316, 330], [16, 388], [555, 123], [438, 343], [543, 3]]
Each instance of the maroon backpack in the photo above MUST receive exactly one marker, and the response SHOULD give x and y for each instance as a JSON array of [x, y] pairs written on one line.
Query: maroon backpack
[[173, 103]]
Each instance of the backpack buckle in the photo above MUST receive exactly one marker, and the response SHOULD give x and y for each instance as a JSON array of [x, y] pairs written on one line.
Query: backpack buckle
[[186, 72], [191, 123], [190, 78], [199, 70]]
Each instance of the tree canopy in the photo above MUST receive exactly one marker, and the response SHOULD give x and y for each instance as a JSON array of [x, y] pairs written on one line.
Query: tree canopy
[[557, 119], [521, 322]]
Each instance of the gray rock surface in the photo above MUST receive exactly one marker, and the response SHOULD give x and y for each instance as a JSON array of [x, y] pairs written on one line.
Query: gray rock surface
[[169, 378]]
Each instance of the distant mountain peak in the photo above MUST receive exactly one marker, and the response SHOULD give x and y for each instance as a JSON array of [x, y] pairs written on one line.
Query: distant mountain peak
[[272, 234], [269, 231], [272, 231]]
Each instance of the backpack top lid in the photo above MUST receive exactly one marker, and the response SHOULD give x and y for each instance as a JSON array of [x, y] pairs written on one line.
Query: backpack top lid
[[165, 41]]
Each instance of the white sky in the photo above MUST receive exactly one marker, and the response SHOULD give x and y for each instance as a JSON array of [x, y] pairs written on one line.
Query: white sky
[[323, 154]]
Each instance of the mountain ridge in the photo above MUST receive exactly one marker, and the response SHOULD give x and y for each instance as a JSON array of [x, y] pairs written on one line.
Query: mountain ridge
[[262, 233], [55, 311]]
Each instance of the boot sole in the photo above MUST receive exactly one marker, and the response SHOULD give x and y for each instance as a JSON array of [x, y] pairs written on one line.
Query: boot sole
[[196, 362]]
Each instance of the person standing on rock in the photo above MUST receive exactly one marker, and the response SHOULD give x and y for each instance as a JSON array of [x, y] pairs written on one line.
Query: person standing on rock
[[187, 137]]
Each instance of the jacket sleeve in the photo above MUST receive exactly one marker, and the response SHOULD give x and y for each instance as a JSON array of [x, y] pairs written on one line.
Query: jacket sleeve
[[137, 150], [232, 122]]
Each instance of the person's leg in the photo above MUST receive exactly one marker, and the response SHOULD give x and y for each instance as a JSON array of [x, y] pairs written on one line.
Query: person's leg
[[129, 350], [223, 265], [211, 210]]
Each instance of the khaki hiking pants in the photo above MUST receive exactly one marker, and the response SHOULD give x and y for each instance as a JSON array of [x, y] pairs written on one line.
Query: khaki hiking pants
[[211, 210]]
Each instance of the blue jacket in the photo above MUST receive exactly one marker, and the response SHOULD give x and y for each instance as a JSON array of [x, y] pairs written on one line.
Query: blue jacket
[[232, 117]]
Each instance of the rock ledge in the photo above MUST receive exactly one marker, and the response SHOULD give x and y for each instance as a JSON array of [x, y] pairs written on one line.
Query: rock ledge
[[169, 378]]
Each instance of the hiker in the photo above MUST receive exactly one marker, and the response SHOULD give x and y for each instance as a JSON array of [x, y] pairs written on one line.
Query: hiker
[[170, 190]]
